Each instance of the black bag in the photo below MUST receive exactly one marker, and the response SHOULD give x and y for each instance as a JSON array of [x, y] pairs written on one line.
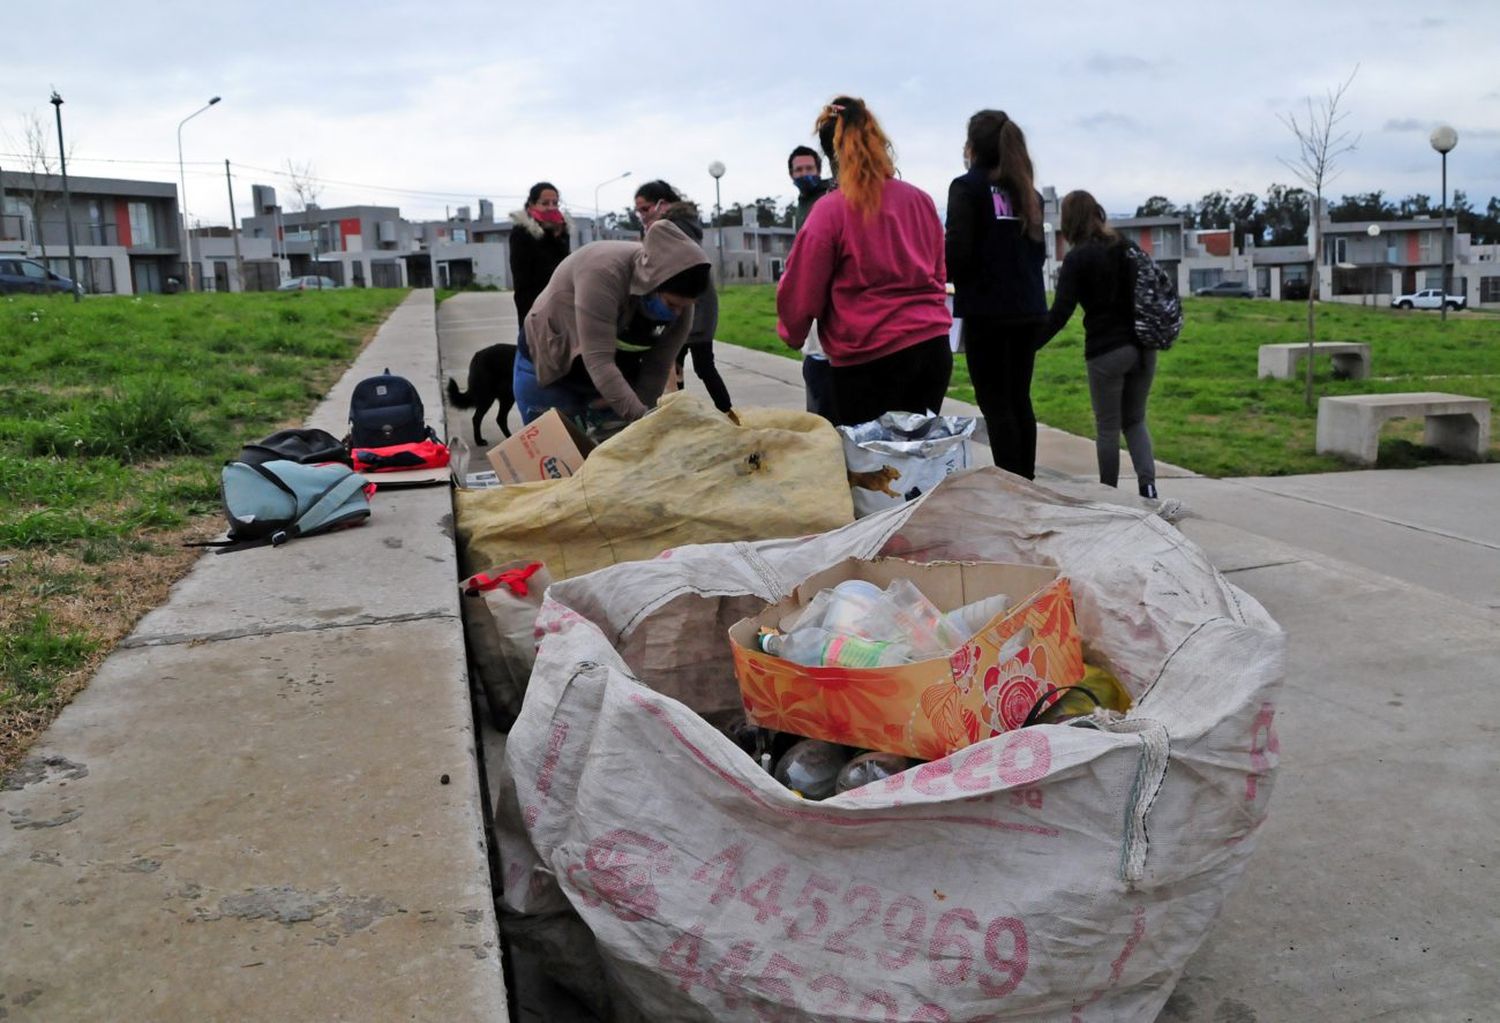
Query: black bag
[[306, 447], [1158, 310], [385, 410]]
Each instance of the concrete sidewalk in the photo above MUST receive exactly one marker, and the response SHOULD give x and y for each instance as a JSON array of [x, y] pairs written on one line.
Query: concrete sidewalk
[[1371, 894], [266, 804]]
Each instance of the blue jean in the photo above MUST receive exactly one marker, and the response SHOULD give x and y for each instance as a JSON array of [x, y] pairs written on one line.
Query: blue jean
[[533, 400]]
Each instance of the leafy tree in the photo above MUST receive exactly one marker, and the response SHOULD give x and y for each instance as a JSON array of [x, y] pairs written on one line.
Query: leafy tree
[[1285, 215], [1213, 211], [1367, 206], [1418, 205], [1156, 206]]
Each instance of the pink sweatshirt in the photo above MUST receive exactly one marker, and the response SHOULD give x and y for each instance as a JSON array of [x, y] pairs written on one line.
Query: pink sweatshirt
[[874, 286]]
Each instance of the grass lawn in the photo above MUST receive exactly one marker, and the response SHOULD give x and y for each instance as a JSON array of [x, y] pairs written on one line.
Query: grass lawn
[[115, 415], [1209, 413]]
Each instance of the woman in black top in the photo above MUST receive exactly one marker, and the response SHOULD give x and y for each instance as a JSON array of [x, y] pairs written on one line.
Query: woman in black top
[[1096, 275], [994, 253], [539, 241]]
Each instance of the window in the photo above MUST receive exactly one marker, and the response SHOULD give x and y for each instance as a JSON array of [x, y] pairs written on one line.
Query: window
[[1427, 246], [461, 236], [33, 270], [1337, 250], [1489, 289], [142, 227]]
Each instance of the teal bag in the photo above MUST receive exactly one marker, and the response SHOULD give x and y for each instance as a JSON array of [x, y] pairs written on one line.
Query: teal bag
[[277, 501]]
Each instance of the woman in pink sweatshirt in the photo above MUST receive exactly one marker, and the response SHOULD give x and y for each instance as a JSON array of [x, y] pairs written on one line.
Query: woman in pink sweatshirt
[[868, 267]]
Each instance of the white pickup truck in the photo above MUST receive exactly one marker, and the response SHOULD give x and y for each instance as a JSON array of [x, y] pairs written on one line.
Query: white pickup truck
[[1429, 298]]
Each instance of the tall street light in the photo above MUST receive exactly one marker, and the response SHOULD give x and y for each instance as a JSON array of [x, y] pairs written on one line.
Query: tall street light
[[717, 170], [597, 211], [1374, 232], [187, 238], [1443, 140], [62, 153]]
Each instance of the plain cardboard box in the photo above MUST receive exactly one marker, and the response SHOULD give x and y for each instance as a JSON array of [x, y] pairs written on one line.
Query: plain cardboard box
[[547, 449], [929, 708]]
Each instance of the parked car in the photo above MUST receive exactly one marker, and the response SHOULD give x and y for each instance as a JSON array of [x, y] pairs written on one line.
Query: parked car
[[307, 284], [19, 275], [1294, 290], [1226, 289], [1429, 298]]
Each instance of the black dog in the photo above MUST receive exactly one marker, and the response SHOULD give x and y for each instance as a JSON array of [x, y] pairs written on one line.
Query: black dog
[[489, 382]]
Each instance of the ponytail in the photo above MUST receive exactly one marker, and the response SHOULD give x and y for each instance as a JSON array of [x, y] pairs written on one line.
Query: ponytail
[[861, 154]]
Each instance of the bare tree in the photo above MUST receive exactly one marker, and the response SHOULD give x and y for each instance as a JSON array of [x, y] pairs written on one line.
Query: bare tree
[[39, 164], [306, 187], [1321, 140]]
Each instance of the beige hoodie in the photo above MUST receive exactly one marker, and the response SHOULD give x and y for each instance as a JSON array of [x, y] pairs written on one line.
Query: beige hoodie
[[577, 313]]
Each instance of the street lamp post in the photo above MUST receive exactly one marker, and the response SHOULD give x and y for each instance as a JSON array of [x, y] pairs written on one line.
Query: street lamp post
[[597, 211], [1374, 232], [1443, 140], [62, 154], [187, 238], [717, 170]]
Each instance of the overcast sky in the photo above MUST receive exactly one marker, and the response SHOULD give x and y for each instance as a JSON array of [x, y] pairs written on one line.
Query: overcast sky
[[457, 101]]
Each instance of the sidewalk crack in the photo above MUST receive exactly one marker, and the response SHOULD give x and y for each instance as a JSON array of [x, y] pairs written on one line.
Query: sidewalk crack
[[359, 622]]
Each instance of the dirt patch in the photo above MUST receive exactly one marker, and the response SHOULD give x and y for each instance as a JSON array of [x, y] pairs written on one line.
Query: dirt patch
[[102, 601]]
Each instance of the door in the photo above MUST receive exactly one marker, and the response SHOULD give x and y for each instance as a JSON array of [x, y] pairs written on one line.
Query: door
[[221, 275]]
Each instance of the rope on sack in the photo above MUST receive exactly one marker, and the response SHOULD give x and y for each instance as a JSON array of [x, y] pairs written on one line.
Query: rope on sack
[[1150, 773]]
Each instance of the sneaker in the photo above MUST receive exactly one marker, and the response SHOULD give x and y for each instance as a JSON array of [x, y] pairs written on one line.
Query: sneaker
[[1148, 491]]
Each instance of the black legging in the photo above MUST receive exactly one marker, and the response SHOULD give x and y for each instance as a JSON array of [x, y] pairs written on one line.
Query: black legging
[[1001, 355], [914, 379], [703, 365]]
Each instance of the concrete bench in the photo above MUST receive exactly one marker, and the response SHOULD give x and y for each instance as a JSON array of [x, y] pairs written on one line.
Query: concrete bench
[[1350, 425], [1350, 359]]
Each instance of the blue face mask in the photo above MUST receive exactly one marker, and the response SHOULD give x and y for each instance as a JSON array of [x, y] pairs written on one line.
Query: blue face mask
[[657, 309], [807, 182]]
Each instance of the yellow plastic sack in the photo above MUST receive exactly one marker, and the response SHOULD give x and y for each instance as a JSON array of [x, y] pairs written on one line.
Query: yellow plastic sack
[[683, 475]]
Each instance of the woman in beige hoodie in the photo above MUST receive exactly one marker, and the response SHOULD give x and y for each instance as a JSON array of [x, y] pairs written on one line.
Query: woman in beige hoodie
[[604, 334]]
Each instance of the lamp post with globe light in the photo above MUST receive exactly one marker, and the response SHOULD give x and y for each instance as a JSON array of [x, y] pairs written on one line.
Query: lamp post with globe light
[[1443, 139], [716, 169], [1374, 232]]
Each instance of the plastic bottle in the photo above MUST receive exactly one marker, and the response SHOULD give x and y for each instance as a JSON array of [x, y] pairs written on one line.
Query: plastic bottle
[[970, 618], [869, 767], [817, 647], [811, 768]]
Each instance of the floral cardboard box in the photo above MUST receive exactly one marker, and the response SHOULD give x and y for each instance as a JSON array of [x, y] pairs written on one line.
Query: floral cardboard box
[[929, 708]]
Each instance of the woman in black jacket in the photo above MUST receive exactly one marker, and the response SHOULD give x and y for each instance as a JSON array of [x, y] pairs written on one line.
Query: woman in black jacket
[[539, 241], [994, 254], [1096, 275]]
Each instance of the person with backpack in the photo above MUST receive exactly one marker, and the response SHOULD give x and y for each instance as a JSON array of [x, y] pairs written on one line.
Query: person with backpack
[[868, 267], [539, 241], [995, 254], [653, 201], [602, 336], [1099, 274]]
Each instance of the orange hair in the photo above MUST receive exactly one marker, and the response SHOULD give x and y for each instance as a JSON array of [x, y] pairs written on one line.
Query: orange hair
[[862, 155]]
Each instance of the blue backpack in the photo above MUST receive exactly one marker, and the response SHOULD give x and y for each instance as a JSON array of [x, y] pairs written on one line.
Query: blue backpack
[[273, 502]]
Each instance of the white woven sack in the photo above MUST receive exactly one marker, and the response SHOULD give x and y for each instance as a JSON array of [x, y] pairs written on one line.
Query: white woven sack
[[1054, 873]]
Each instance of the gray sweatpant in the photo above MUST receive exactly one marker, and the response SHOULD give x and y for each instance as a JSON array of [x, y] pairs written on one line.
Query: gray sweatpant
[[1119, 383]]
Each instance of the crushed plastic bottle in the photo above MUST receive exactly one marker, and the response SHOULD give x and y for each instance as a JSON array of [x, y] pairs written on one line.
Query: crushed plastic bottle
[[972, 617], [817, 647], [811, 768], [869, 767]]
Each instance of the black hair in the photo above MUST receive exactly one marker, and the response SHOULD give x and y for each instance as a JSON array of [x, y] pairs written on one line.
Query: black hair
[[657, 191], [689, 283], [805, 151], [537, 190]]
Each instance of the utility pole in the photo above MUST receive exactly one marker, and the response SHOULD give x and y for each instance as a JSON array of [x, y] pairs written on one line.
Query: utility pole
[[57, 102], [234, 230]]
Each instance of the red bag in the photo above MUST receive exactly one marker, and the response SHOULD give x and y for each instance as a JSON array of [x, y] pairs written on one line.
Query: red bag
[[427, 454]]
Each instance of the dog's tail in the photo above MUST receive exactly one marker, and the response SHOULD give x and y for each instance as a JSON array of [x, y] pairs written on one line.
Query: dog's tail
[[457, 398]]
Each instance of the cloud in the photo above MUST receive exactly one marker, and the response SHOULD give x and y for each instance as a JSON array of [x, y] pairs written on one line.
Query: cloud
[[1433, 22], [1405, 124], [1118, 64], [1106, 120]]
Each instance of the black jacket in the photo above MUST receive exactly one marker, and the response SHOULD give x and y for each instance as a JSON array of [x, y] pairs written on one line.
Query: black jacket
[[994, 266], [534, 254], [1096, 276]]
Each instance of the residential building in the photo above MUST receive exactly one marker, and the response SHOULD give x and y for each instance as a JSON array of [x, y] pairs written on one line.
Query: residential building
[[126, 236], [752, 254]]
